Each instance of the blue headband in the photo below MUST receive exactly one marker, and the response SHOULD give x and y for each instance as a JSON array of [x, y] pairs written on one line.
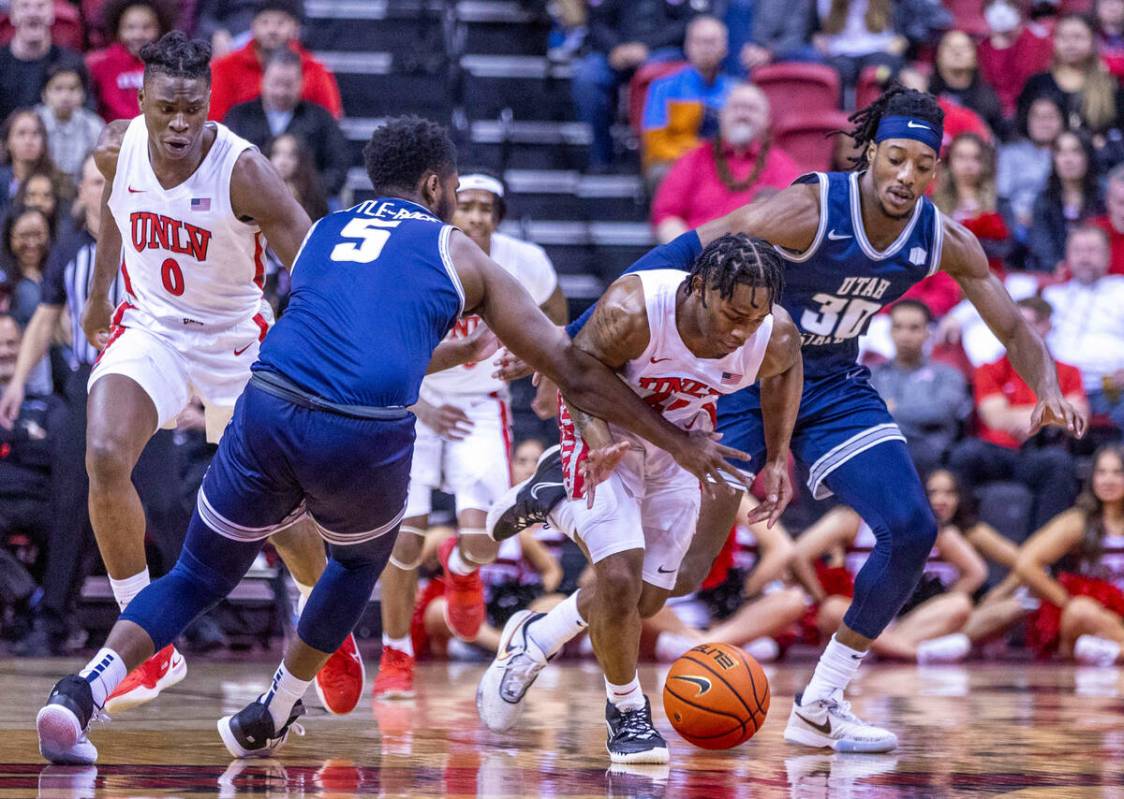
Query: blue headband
[[904, 127]]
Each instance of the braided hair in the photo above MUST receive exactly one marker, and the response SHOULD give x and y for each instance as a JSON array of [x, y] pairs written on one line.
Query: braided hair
[[176, 55], [735, 259], [896, 100]]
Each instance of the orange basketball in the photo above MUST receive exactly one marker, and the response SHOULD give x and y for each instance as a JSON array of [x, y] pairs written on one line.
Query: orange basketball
[[716, 696]]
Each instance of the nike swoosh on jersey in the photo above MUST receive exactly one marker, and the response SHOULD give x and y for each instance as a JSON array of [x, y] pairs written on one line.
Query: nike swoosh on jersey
[[833, 236], [825, 728], [662, 570], [135, 191], [660, 360], [243, 349]]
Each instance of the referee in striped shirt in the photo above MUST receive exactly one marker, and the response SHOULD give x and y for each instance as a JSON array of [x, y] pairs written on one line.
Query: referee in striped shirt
[[66, 285]]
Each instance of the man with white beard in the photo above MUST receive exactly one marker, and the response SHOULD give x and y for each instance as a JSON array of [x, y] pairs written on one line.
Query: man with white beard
[[720, 176]]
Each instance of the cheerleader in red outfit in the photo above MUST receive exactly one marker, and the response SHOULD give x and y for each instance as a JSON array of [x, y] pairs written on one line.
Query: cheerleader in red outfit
[[1075, 564]]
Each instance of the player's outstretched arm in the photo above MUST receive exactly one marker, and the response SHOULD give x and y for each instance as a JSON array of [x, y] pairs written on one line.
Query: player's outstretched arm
[[257, 194], [963, 258], [511, 313], [782, 384], [107, 256], [790, 218]]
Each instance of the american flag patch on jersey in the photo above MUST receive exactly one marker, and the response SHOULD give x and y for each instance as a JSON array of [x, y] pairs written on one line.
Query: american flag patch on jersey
[[200, 203], [730, 379]]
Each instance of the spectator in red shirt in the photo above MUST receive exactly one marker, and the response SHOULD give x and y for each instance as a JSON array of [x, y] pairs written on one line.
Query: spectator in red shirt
[[117, 72], [1006, 447], [236, 77], [1013, 51], [1112, 223], [717, 177]]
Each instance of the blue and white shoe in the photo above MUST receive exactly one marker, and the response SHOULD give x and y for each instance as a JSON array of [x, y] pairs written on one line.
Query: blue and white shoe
[[250, 731], [830, 724], [518, 661]]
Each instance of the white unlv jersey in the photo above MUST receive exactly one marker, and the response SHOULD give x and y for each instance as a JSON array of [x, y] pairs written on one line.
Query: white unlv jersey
[[673, 380], [188, 261], [528, 264]]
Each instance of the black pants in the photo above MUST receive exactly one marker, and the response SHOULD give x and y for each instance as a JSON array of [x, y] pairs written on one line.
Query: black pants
[[1048, 473], [71, 537]]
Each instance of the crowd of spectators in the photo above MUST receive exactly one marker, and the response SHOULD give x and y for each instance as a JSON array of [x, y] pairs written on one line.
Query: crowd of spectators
[[1032, 164]]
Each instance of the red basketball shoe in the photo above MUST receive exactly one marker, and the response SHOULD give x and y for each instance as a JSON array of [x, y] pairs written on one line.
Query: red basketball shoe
[[340, 682], [395, 679], [144, 683], [464, 596]]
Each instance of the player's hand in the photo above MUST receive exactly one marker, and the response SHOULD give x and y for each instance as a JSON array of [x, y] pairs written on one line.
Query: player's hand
[[545, 403], [448, 421], [705, 458], [510, 366], [598, 465], [480, 345], [10, 404], [778, 493], [96, 318], [1060, 412]]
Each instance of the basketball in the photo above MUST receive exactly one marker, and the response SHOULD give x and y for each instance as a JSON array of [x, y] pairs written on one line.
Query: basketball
[[716, 696]]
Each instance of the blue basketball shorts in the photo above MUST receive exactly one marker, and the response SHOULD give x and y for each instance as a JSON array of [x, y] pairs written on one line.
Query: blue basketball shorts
[[279, 462], [841, 415]]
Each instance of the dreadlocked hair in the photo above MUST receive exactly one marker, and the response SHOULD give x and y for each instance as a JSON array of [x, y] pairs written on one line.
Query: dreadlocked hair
[[735, 259], [897, 100], [176, 55]]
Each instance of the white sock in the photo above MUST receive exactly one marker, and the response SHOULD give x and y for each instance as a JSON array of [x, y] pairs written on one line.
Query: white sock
[[104, 673], [763, 650], [671, 646], [563, 622], [285, 692], [305, 592], [403, 644], [838, 665], [458, 564], [625, 697], [125, 590]]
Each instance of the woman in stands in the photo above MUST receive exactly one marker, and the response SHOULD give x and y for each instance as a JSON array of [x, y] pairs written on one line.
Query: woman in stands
[[744, 602], [927, 628], [1073, 194], [1075, 564], [966, 192]]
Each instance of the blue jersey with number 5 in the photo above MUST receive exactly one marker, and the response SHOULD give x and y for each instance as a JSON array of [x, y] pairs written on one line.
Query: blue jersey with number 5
[[373, 293], [834, 288]]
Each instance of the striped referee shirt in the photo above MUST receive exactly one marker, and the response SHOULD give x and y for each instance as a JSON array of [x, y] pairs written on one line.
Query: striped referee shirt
[[67, 280]]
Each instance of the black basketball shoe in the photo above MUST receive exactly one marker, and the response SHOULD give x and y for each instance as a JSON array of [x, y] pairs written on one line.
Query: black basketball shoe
[[632, 736], [529, 502], [250, 732], [62, 723]]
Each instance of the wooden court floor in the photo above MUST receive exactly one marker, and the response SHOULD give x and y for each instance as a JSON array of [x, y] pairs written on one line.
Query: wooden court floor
[[1010, 730]]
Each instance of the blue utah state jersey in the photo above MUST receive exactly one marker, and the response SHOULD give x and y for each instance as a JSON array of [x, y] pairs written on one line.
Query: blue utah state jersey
[[841, 281], [373, 293]]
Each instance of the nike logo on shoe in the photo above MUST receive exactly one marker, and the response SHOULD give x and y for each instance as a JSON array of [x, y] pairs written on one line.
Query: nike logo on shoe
[[174, 663], [536, 488], [833, 236], [825, 728]]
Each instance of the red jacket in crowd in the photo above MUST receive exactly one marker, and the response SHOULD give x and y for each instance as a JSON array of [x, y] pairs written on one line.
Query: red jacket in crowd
[[1007, 70], [236, 78], [115, 76]]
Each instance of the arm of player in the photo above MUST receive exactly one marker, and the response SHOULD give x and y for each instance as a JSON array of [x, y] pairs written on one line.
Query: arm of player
[[478, 345], [1045, 548], [589, 384], [955, 549], [257, 194], [790, 218], [97, 314], [963, 258], [782, 384]]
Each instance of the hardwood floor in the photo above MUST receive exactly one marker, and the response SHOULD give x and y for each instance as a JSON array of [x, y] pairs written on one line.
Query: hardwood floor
[[1011, 730]]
